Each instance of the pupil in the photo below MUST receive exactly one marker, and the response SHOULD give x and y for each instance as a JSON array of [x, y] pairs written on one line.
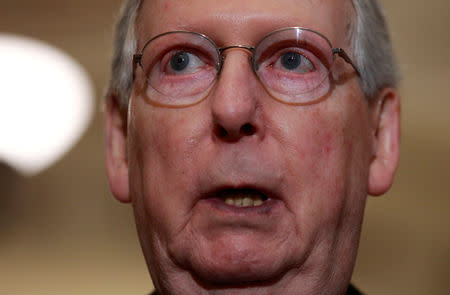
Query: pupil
[[291, 60], [179, 61]]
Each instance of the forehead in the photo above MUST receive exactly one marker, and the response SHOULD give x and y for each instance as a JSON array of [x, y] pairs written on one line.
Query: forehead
[[244, 22]]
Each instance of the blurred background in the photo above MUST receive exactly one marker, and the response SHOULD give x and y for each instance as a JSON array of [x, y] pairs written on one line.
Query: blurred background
[[61, 232]]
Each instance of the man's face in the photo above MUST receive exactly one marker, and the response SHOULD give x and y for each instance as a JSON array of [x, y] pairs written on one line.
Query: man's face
[[310, 162]]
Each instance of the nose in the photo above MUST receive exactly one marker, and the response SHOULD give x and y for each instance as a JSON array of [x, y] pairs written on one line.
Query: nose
[[236, 109]]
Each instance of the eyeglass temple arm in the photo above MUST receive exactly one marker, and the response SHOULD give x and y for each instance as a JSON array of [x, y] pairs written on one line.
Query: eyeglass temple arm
[[136, 60], [343, 54]]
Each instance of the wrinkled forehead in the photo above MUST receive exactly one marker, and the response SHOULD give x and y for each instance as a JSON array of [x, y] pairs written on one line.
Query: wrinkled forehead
[[244, 22]]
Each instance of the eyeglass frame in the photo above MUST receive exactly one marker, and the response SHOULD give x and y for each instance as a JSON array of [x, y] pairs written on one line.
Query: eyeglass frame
[[137, 57]]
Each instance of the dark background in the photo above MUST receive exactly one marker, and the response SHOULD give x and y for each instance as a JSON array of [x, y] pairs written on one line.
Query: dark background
[[61, 232]]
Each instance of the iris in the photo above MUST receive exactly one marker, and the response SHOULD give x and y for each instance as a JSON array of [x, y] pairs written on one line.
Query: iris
[[291, 60], [179, 61]]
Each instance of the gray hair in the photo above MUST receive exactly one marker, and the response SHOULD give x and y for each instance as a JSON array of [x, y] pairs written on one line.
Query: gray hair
[[125, 45], [370, 43]]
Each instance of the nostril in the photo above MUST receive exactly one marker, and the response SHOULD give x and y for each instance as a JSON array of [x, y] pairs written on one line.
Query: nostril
[[248, 129], [230, 134], [221, 132]]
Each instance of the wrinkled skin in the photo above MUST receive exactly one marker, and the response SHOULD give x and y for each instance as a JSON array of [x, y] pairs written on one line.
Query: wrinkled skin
[[316, 162]]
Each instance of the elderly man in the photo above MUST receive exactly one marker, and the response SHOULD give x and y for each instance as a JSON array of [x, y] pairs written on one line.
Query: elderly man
[[247, 135]]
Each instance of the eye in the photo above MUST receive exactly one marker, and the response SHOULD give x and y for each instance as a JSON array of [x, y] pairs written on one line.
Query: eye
[[184, 62], [294, 62], [179, 61]]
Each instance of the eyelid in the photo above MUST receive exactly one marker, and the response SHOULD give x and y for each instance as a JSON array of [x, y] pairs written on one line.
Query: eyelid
[[201, 55], [304, 46], [303, 53], [162, 57], [311, 58], [165, 62]]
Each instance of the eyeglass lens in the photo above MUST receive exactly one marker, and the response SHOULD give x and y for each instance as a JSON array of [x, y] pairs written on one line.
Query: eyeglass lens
[[293, 65]]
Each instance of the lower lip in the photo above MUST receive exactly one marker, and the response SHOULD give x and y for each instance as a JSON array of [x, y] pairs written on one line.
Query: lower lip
[[268, 208]]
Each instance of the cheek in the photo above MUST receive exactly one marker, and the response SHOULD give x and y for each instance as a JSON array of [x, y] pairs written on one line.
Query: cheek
[[326, 160], [166, 141], [164, 152], [313, 144]]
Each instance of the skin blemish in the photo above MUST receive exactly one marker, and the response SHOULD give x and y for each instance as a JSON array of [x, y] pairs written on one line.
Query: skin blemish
[[328, 144]]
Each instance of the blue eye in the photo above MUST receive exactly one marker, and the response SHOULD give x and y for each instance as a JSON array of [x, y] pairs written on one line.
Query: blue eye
[[183, 62], [179, 61], [291, 60], [295, 62]]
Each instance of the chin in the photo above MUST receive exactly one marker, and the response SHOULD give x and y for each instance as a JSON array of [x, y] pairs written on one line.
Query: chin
[[238, 261], [235, 274]]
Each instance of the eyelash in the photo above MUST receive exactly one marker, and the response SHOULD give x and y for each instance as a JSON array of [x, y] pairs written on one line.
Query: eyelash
[[309, 57], [166, 57]]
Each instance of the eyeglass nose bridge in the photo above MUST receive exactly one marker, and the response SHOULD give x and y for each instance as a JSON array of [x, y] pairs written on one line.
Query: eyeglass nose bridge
[[220, 50]]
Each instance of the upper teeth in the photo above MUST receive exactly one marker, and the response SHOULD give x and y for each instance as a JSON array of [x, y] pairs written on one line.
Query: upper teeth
[[244, 201], [242, 197]]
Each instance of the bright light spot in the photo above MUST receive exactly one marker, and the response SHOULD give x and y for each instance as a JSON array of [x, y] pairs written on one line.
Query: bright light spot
[[46, 103]]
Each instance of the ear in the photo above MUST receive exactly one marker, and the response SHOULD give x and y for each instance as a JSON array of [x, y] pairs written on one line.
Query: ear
[[116, 150], [386, 141]]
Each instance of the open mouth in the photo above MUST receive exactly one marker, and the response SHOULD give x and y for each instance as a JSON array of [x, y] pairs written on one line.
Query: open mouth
[[242, 197]]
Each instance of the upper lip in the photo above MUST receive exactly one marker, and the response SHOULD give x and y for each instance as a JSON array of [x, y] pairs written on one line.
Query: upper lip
[[245, 172]]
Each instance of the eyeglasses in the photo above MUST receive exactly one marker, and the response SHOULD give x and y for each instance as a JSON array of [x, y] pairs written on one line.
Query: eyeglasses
[[293, 64]]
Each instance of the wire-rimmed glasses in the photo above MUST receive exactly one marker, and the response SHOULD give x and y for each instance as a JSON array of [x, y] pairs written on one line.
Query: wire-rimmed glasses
[[293, 64]]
